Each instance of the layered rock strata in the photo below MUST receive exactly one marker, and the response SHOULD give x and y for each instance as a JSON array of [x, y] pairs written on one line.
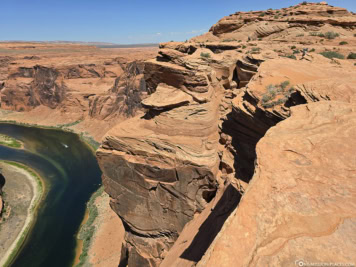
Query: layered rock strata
[[176, 173]]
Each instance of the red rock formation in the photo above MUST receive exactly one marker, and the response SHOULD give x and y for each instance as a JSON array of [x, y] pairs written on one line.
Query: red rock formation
[[301, 202], [212, 100]]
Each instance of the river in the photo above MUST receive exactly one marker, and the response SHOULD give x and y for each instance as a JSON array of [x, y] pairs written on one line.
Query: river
[[71, 175]]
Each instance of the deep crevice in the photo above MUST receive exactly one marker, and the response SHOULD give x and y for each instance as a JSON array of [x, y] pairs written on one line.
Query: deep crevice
[[212, 225]]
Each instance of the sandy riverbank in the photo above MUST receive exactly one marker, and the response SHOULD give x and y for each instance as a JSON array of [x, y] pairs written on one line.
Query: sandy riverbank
[[23, 193], [105, 243]]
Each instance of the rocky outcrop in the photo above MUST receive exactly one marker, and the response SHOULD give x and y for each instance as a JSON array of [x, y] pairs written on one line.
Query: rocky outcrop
[[124, 98], [164, 165], [176, 174], [281, 23], [300, 204]]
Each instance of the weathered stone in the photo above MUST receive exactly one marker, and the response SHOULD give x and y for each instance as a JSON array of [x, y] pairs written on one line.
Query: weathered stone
[[300, 204]]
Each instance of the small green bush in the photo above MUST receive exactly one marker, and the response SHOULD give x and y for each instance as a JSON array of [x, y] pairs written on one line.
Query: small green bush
[[331, 35], [343, 43], [300, 35], [304, 3], [291, 56], [284, 85], [244, 46], [276, 17], [296, 51], [312, 50], [262, 14], [205, 55], [351, 56], [332, 54], [293, 47], [276, 90]]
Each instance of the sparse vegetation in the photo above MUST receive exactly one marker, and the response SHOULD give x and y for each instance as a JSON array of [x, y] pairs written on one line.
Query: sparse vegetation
[[296, 51], [312, 50], [87, 231], [291, 56], [205, 55], [332, 54], [277, 90], [313, 33], [304, 3], [343, 43], [262, 14], [255, 50], [244, 46], [331, 35], [69, 124], [293, 47], [300, 35], [9, 141], [351, 56]]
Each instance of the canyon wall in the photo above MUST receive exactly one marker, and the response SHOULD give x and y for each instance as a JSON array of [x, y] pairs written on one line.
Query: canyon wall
[[75, 82], [177, 173]]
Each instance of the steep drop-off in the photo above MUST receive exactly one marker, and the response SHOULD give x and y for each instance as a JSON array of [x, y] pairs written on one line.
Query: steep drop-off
[[179, 171]]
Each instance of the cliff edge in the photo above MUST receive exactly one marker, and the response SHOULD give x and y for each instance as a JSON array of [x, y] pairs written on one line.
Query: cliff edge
[[237, 157]]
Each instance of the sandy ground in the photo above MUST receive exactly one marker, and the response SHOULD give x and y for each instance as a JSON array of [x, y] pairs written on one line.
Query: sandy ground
[[21, 192], [106, 245]]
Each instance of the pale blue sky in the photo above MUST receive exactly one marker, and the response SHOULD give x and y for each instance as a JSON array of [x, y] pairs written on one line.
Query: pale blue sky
[[125, 22]]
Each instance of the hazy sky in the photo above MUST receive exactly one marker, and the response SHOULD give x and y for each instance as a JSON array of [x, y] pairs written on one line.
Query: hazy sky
[[117, 21]]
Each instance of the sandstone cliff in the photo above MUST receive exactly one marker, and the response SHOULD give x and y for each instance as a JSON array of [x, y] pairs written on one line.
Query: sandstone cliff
[[177, 173]]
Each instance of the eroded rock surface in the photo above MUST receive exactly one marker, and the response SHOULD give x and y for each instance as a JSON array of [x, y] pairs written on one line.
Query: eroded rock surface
[[177, 172], [301, 202], [160, 168]]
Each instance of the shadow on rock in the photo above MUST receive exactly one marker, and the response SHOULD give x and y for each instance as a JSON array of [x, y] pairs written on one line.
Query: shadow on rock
[[212, 225]]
